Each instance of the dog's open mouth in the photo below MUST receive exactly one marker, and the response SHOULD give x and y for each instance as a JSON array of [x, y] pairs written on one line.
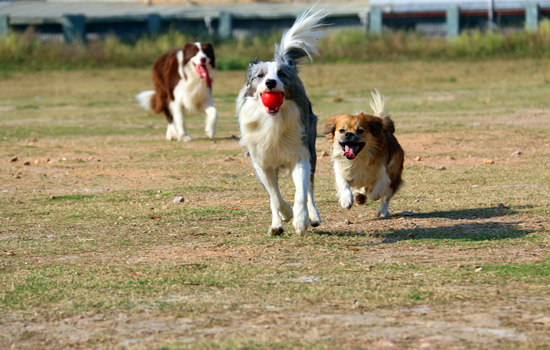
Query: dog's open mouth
[[352, 149], [272, 101], [203, 73]]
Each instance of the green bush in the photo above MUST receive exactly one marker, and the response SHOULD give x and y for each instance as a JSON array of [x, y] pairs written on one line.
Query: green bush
[[26, 52]]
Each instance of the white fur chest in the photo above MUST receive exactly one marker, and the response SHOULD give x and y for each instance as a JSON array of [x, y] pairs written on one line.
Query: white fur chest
[[273, 141], [192, 91], [356, 172]]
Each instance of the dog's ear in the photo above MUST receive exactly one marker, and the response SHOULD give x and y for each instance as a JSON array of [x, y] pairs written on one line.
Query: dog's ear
[[208, 50], [189, 50], [330, 127], [375, 125], [253, 63]]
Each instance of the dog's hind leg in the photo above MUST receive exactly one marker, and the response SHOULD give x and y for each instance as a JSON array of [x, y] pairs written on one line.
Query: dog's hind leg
[[314, 218], [171, 131], [211, 119], [280, 210], [301, 176], [381, 187], [384, 204]]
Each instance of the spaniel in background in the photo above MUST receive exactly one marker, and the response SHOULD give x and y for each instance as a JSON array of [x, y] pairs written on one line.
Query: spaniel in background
[[278, 126], [183, 83], [368, 160]]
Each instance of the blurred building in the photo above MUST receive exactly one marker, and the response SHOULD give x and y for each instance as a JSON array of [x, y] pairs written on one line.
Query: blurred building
[[131, 19], [72, 20], [450, 17]]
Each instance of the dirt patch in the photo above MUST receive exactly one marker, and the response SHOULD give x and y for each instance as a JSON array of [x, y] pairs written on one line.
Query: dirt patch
[[450, 329], [103, 257]]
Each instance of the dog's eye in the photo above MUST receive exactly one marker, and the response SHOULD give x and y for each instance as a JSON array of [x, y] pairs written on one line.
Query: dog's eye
[[360, 131], [341, 131], [282, 75], [260, 75]]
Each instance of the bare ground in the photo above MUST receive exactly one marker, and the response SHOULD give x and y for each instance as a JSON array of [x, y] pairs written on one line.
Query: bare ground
[[102, 258]]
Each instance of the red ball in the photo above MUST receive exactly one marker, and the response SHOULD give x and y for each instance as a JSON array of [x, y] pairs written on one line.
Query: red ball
[[272, 100]]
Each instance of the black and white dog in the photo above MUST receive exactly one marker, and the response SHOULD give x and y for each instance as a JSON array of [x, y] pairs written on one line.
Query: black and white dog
[[278, 126]]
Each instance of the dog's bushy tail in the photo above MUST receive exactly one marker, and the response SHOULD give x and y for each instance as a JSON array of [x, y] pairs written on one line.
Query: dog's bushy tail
[[301, 40], [378, 106], [145, 99]]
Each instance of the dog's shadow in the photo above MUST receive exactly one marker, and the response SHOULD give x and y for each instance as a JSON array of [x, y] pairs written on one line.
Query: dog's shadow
[[467, 231]]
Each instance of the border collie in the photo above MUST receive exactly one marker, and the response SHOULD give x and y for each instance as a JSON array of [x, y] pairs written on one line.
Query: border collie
[[278, 126], [183, 83]]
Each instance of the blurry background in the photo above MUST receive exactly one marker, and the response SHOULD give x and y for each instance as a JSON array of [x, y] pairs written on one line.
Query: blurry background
[[62, 34]]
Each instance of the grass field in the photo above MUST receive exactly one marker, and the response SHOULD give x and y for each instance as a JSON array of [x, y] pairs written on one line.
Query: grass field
[[94, 253]]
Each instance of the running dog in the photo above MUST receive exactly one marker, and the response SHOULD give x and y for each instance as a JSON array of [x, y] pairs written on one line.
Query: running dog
[[183, 83], [278, 126], [368, 160]]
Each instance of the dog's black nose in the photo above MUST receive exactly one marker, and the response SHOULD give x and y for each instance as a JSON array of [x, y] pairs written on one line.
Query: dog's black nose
[[270, 83], [349, 134], [203, 60]]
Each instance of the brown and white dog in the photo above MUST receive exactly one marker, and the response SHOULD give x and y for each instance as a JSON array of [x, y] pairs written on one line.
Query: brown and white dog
[[368, 160], [183, 83]]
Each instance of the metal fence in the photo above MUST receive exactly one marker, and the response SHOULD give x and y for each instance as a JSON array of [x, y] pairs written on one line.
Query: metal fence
[[83, 21], [79, 22], [450, 17]]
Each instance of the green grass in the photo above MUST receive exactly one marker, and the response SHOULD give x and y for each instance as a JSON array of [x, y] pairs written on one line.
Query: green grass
[[71, 197]]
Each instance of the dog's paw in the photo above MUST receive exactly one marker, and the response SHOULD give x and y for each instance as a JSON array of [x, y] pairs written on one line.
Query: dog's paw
[[301, 232], [171, 132], [300, 224], [360, 199], [275, 231], [185, 138], [383, 213], [314, 223], [209, 133], [286, 212], [346, 199], [313, 214]]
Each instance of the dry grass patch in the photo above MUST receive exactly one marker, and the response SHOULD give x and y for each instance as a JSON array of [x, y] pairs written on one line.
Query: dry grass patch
[[102, 257]]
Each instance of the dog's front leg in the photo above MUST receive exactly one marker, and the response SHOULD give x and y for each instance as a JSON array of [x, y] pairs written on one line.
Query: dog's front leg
[[268, 177], [314, 218], [176, 108], [344, 191], [300, 175], [211, 119]]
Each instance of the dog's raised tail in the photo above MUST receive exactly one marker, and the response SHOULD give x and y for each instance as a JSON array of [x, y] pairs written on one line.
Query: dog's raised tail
[[378, 106], [301, 39], [145, 99]]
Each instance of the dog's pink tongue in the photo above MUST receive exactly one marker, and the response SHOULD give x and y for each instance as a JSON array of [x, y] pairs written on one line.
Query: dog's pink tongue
[[348, 151], [203, 73]]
